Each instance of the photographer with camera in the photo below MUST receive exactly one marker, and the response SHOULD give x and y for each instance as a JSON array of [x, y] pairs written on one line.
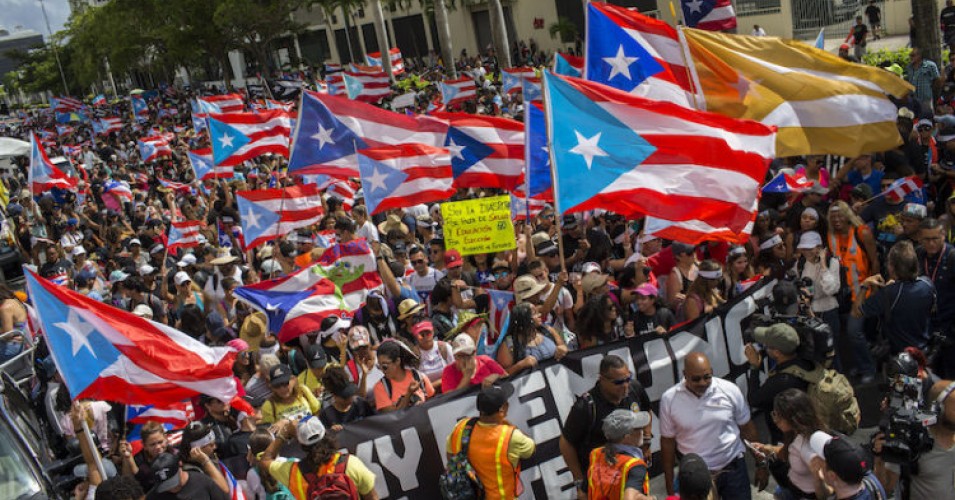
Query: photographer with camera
[[780, 343], [937, 263], [819, 282], [929, 473]]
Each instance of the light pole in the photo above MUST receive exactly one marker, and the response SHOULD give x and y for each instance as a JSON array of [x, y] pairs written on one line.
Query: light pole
[[56, 54]]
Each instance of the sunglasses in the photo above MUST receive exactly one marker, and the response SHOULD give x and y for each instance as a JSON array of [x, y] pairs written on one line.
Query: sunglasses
[[923, 128], [700, 378], [501, 274], [418, 261], [620, 381]]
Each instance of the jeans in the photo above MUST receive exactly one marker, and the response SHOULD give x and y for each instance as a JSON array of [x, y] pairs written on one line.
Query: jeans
[[733, 481], [858, 345]]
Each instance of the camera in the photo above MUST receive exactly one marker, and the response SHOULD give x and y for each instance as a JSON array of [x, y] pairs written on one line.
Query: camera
[[816, 341], [906, 420]]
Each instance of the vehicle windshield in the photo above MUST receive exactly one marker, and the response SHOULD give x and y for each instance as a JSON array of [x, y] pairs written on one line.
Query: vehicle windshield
[[17, 479]]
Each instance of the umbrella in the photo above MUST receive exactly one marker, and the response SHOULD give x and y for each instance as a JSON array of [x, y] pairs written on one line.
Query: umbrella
[[13, 147]]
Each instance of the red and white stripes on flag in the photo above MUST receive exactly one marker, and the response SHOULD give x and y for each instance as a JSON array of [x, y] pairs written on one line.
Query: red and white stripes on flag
[[500, 159], [694, 232], [267, 131], [721, 18], [511, 78], [397, 63], [344, 190], [110, 124], [404, 175], [902, 187], [336, 84], [367, 87], [270, 213], [674, 83], [67, 104], [522, 207], [183, 234], [458, 91], [225, 103]]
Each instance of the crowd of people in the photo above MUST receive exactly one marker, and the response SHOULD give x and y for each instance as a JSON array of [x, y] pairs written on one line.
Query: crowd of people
[[876, 267]]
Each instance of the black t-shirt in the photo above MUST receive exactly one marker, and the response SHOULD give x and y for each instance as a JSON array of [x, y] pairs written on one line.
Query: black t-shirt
[[762, 397], [644, 324], [947, 18], [329, 415], [859, 32], [584, 431], [51, 269], [198, 487], [874, 14]]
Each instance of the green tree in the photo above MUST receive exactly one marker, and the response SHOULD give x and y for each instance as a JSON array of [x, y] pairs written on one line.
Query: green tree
[[925, 13], [254, 24]]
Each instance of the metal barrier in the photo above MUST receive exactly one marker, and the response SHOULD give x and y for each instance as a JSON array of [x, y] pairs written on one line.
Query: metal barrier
[[20, 366], [837, 16]]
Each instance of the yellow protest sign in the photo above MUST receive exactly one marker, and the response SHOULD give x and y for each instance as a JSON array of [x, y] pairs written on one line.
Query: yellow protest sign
[[482, 225]]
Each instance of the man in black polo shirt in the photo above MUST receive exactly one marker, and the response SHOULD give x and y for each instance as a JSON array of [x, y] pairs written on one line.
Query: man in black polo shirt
[[615, 389]]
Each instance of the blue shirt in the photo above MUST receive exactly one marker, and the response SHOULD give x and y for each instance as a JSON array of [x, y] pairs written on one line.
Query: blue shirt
[[874, 180]]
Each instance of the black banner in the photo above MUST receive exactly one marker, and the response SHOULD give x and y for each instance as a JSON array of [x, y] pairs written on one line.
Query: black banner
[[406, 449]]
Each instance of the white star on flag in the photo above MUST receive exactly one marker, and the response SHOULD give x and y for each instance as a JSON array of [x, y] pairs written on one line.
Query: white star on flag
[[620, 64], [226, 141], [324, 136], [251, 220], [377, 180], [588, 148], [455, 149], [79, 332], [695, 5]]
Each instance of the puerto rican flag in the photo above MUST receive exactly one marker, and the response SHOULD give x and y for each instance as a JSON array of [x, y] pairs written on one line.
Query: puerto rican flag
[[568, 65], [537, 176], [336, 84], [154, 147], [105, 126], [532, 89], [183, 234], [202, 165], [225, 103], [367, 87], [397, 63], [62, 130], [175, 186], [636, 53], [99, 100], [177, 414], [363, 70], [903, 187], [330, 128], [787, 183], [139, 107], [105, 353], [237, 137], [458, 91], [284, 106], [65, 104], [522, 208], [336, 285], [486, 151], [118, 189], [502, 302], [710, 15], [511, 78], [44, 175], [344, 190], [270, 213], [694, 232], [404, 176]]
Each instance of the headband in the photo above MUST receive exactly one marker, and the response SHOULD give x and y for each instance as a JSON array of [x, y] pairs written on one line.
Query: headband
[[737, 251], [711, 275], [770, 243], [811, 211], [207, 439]]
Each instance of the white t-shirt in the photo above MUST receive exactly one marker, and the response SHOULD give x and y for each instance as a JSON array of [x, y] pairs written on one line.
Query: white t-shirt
[[424, 284], [367, 231], [800, 455], [707, 425], [434, 361]]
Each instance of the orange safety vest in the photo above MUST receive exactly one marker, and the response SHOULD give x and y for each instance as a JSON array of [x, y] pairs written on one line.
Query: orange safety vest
[[848, 248], [297, 484], [487, 453], [609, 482]]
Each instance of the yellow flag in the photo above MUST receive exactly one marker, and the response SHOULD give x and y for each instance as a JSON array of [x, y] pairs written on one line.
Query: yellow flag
[[820, 103], [4, 195]]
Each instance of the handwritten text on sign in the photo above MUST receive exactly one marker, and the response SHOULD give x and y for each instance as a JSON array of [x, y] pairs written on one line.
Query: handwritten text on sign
[[479, 226]]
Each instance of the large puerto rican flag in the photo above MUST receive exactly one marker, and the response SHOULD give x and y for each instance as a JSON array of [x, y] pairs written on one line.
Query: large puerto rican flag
[[269, 213], [237, 137], [336, 285], [636, 53], [108, 354], [330, 128], [43, 174], [637, 157], [486, 151], [404, 176]]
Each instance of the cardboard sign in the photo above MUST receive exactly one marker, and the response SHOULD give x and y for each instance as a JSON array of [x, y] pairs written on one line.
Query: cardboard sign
[[482, 225]]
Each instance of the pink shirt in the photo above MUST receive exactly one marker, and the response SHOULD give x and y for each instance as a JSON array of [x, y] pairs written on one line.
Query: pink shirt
[[451, 376]]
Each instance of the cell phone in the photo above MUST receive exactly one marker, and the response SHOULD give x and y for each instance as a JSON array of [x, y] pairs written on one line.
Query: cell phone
[[756, 453]]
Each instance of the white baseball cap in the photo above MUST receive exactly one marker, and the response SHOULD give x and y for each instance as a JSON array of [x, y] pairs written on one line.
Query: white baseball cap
[[181, 277], [187, 260]]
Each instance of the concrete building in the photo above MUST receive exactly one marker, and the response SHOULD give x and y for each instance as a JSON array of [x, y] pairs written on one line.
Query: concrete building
[[18, 40]]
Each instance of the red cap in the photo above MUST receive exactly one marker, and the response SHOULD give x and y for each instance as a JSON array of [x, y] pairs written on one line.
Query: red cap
[[844, 46], [422, 326], [452, 258]]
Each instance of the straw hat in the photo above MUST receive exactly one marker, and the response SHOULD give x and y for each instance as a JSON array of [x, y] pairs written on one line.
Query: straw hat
[[393, 222], [408, 307], [223, 256]]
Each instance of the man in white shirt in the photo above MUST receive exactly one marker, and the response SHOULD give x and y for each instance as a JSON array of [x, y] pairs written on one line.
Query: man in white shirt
[[708, 416], [425, 277], [758, 30]]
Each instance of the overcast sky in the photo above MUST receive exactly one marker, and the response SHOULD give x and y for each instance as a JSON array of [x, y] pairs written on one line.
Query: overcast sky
[[27, 13]]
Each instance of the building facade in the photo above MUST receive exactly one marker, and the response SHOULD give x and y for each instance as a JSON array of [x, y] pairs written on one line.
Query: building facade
[[17, 40]]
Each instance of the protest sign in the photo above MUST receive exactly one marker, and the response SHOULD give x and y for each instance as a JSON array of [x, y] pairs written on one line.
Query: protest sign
[[481, 225]]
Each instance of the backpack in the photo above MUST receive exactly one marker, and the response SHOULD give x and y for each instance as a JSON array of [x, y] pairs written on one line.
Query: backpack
[[282, 493], [835, 398], [460, 481], [334, 485]]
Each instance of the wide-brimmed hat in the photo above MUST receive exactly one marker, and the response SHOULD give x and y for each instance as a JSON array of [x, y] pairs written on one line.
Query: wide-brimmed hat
[[465, 320], [408, 307], [527, 286], [223, 256], [391, 223]]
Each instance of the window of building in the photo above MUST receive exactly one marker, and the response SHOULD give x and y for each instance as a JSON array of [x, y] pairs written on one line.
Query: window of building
[[752, 7]]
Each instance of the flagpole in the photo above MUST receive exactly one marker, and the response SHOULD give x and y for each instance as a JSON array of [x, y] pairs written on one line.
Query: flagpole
[[687, 64], [553, 170]]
